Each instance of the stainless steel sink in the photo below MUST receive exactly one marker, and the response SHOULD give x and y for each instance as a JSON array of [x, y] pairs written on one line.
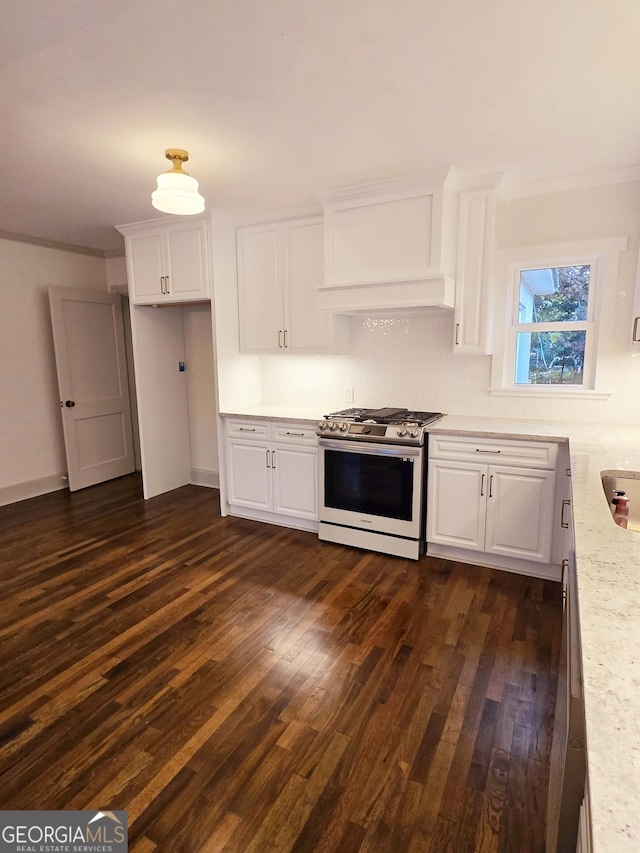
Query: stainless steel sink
[[629, 483]]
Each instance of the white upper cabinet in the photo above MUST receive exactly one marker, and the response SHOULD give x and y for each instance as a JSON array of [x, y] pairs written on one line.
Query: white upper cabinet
[[280, 267], [476, 215], [167, 262], [390, 244], [260, 289]]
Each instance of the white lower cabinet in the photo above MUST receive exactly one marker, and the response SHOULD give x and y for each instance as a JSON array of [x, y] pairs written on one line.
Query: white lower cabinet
[[249, 476], [491, 509], [272, 472], [502, 511]]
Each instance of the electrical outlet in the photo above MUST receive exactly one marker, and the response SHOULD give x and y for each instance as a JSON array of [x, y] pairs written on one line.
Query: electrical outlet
[[348, 395]]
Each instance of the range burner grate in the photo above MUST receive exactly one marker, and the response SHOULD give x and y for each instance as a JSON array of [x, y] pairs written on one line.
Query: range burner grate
[[386, 416]]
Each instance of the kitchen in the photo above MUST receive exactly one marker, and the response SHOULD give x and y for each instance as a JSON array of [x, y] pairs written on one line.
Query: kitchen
[[403, 359]]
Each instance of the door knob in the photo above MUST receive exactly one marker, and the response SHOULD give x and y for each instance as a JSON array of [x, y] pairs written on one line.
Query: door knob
[[69, 404]]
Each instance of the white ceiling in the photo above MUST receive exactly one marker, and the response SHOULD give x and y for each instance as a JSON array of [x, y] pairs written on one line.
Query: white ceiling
[[278, 99]]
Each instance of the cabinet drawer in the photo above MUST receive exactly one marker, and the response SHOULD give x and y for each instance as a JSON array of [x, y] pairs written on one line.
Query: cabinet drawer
[[248, 429], [499, 451], [294, 433]]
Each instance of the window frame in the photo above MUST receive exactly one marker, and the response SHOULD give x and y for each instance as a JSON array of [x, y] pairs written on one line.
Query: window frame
[[602, 256]]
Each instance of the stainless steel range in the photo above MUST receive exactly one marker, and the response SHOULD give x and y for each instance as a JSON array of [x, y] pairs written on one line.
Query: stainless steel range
[[372, 478]]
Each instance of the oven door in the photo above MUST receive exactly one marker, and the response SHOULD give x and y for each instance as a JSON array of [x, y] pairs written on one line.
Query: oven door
[[371, 486]]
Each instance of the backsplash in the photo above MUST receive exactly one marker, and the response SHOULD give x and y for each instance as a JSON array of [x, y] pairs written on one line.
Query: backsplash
[[408, 361]]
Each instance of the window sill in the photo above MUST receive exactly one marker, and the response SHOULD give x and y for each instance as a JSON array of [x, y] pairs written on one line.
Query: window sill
[[557, 392]]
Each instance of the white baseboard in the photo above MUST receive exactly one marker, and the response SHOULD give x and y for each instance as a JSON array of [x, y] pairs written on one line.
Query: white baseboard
[[204, 477], [309, 525], [546, 571], [32, 488]]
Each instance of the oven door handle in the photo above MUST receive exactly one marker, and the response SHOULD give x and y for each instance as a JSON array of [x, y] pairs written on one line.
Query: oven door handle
[[369, 449]]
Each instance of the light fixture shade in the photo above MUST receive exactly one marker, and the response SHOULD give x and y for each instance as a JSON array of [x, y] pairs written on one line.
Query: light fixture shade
[[177, 191]]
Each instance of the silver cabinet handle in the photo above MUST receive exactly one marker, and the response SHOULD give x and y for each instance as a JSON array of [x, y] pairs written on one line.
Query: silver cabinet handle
[[491, 486], [294, 433], [280, 338], [564, 523], [246, 429], [162, 290], [482, 486], [478, 450], [273, 458], [635, 330], [268, 466], [457, 334], [285, 339], [166, 284]]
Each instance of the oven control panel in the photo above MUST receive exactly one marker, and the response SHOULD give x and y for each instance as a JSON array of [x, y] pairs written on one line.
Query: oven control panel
[[408, 433]]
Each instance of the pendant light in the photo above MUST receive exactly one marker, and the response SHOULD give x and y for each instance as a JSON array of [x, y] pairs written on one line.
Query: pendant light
[[177, 191]]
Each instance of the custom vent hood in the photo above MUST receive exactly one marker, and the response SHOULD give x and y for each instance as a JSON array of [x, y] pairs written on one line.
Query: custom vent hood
[[391, 245]]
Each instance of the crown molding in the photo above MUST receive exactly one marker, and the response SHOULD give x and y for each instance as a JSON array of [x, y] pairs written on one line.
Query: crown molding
[[287, 213], [55, 244], [409, 185], [576, 182]]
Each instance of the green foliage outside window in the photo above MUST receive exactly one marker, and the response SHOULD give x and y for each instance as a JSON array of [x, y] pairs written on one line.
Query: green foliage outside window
[[557, 357]]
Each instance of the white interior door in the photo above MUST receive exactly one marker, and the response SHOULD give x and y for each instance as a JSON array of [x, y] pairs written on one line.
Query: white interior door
[[88, 336]]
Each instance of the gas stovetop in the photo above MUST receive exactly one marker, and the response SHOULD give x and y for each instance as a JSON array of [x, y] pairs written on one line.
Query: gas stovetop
[[396, 426]]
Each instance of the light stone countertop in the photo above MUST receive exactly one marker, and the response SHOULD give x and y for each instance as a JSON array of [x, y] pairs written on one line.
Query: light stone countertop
[[277, 413], [608, 571]]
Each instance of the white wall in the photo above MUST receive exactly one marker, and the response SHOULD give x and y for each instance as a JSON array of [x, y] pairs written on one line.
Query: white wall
[[116, 272], [239, 377], [32, 457], [201, 399], [409, 361]]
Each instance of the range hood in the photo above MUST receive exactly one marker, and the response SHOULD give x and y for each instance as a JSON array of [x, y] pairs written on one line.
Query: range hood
[[391, 245]]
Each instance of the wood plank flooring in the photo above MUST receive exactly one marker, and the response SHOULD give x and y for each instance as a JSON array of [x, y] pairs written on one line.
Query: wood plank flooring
[[240, 687]]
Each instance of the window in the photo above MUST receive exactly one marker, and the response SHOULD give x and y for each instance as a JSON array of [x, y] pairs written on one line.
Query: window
[[559, 305], [553, 330]]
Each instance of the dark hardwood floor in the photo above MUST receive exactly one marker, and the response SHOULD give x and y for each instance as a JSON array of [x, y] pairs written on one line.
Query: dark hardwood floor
[[240, 687]]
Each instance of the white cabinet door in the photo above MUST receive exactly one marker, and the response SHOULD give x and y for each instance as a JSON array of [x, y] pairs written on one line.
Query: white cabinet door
[[280, 268], [145, 266], [476, 215], [168, 264], [308, 329], [260, 298], [519, 512], [187, 273], [295, 481], [494, 509], [456, 504], [250, 475]]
